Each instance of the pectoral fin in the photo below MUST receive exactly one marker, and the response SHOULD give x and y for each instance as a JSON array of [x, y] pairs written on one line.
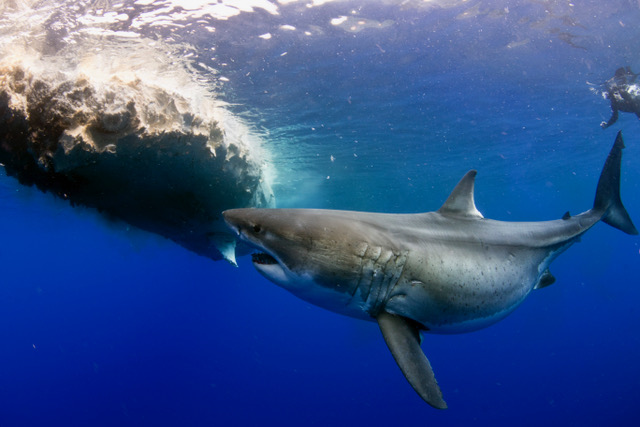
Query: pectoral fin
[[403, 339], [545, 280]]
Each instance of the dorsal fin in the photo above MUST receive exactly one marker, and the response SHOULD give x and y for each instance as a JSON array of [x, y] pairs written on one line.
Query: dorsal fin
[[460, 201]]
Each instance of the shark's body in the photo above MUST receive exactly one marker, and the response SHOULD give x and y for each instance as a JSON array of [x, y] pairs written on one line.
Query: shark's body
[[446, 271]]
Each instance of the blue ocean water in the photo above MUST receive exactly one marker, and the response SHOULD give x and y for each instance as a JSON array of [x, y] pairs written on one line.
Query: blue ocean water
[[382, 107]]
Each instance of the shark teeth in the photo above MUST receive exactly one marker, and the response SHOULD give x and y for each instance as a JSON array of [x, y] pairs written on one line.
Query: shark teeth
[[263, 258]]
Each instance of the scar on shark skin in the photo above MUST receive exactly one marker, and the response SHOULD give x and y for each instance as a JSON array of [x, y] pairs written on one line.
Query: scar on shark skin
[[447, 271]]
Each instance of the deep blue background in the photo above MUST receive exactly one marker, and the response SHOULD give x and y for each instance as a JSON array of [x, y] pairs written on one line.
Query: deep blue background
[[102, 325]]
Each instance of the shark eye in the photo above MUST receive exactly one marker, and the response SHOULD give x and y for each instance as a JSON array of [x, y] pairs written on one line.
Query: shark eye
[[257, 228]]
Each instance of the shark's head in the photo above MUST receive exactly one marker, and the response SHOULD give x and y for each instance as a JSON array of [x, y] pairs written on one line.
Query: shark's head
[[264, 232], [302, 250], [288, 247]]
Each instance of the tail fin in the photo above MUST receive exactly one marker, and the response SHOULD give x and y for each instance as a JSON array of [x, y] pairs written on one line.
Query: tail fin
[[607, 198]]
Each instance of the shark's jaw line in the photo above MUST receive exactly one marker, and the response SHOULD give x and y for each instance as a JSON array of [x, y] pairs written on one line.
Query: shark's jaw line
[[260, 255], [270, 267], [263, 258], [266, 262]]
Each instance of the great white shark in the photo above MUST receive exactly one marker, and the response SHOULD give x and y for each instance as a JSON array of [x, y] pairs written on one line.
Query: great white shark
[[447, 271]]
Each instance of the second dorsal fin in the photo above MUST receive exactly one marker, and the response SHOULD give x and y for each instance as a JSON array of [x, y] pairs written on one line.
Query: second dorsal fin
[[460, 201]]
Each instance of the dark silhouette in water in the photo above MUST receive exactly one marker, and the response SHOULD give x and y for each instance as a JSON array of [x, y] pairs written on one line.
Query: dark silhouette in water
[[137, 153], [624, 93]]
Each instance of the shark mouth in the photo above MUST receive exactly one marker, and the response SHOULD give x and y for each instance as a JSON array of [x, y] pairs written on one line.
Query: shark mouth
[[263, 259]]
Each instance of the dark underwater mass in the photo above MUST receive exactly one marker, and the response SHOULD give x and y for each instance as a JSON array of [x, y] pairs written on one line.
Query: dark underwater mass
[[127, 126], [158, 154]]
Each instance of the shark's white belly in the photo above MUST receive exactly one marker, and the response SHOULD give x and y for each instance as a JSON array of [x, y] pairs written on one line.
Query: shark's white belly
[[455, 288], [447, 288]]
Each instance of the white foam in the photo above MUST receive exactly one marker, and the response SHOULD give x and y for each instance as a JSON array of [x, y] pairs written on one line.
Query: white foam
[[127, 104], [190, 10]]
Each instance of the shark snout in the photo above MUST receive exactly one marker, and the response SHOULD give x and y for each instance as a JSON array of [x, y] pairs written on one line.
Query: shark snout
[[238, 219], [231, 219], [245, 224]]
